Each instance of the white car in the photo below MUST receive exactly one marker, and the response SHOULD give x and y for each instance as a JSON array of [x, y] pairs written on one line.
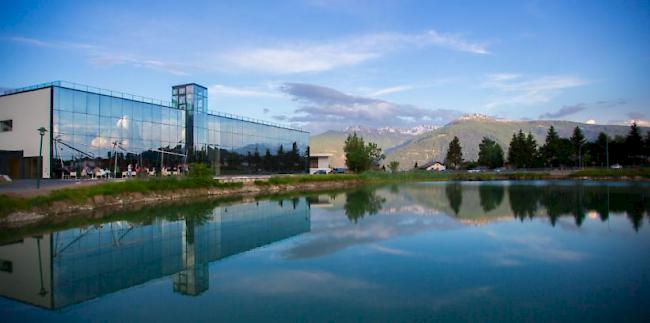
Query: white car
[[617, 166]]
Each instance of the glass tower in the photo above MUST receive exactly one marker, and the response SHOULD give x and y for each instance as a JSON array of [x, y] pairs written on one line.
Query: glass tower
[[193, 99]]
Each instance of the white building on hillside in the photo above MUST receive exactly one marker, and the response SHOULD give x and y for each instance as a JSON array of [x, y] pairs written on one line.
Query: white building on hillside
[[436, 167]]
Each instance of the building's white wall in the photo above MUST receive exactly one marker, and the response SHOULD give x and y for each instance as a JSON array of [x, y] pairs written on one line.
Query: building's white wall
[[323, 162], [29, 111]]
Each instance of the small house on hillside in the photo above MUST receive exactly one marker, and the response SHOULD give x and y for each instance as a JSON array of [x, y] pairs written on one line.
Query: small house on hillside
[[434, 167]]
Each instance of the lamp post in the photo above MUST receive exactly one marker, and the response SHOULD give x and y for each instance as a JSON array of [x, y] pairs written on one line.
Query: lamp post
[[41, 131]]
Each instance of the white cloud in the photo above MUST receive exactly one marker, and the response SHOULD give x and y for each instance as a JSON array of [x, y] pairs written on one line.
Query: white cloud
[[325, 108], [515, 89], [224, 90], [326, 55], [103, 57], [640, 122], [590, 121], [391, 90]]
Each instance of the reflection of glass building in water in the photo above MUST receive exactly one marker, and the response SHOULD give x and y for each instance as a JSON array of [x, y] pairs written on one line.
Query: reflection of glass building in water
[[72, 266], [94, 127]]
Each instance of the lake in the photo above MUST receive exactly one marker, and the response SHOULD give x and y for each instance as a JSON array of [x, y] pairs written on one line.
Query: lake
[[465, 251]]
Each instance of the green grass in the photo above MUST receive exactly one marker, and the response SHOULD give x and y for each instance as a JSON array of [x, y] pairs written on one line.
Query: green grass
[[304, 178], [410, 176], [613, 173], [82, 194]]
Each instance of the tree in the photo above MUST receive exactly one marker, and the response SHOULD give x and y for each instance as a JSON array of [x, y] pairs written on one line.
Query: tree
[[598, 149], [550, 150], [522, 152], [634, 145], [360, 157], [490, 153], [374, 154], [532, 153], [647, 145], [393, 166], [577, 141], [454, 157]]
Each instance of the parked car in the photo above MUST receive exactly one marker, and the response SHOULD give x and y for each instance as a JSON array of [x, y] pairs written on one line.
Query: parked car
[[474, 171], [338, 170], [320, 171], [617, 166]]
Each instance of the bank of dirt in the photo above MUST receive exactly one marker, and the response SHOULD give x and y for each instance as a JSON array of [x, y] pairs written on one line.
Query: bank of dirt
[[101, 205]]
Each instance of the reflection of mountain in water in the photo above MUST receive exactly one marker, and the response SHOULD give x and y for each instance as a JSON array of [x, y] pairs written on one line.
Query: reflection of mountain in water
[[482, 202], [67, 267]]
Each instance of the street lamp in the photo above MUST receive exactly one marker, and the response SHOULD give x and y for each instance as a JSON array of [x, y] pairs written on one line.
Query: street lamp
[[41, 131]]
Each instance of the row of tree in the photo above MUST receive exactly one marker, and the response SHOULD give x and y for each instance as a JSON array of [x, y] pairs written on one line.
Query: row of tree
[[575, 151]]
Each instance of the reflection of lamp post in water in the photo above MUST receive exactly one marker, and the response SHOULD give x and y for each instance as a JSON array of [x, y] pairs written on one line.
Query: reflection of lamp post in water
[[42, 292], [39, 168]]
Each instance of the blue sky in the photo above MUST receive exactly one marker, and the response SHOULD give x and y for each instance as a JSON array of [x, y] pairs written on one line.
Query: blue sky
[[329, 64]]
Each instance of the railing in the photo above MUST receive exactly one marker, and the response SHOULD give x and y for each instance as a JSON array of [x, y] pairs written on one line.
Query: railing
[[253, 120], [92, 89], [97, 90]]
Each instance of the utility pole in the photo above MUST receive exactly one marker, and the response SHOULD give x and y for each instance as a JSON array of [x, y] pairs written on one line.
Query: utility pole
[[39, 168]]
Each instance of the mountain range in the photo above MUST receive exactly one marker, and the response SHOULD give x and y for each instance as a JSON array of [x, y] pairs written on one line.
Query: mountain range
[[427, 143]]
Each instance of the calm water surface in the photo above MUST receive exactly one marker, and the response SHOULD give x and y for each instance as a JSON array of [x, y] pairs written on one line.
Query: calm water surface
[[491, 251]]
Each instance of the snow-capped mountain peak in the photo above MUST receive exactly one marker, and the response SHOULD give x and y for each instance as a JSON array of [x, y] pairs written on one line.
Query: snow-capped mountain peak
[[413, 131]]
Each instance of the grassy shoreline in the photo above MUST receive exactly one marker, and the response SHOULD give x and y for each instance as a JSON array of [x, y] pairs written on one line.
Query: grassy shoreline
[[81, 195]]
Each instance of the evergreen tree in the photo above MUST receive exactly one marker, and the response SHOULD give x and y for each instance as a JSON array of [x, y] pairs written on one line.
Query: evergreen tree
[[577, 141], [490, 153], [634, 145], [514, 150], [454, 157], [550, 150], [531, 153], [647, 145], [522, 151], [599, 150]]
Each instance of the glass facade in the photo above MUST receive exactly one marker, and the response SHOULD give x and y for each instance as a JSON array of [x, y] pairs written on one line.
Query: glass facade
[[93, 130]]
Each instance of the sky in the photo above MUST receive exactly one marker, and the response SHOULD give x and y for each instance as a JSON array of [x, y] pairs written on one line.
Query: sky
[[322, 65]]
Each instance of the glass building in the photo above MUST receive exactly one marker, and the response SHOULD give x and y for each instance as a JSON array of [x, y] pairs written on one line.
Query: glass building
[[91, 127]]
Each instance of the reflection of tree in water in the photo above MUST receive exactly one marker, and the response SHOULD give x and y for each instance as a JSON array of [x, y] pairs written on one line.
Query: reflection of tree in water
[[491, 196], [362, 201], [523, 200], [454, 192], [576, 200]]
